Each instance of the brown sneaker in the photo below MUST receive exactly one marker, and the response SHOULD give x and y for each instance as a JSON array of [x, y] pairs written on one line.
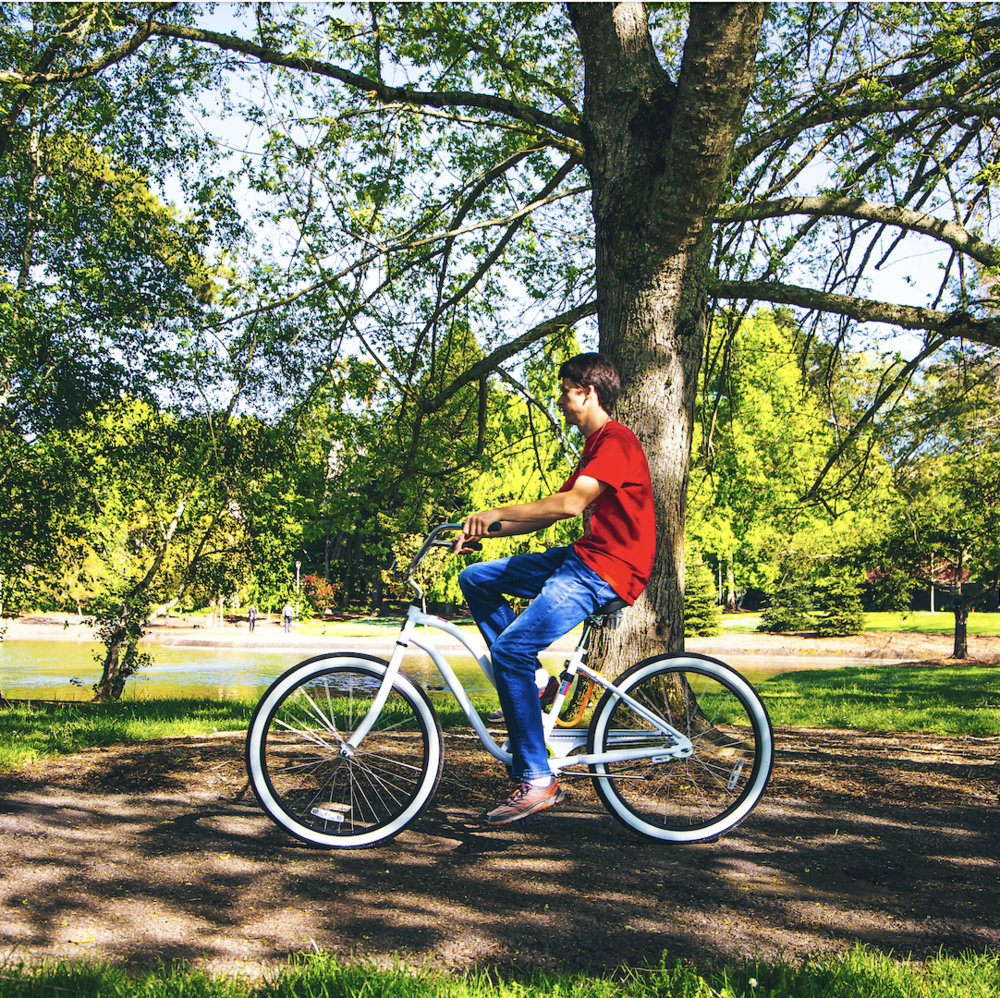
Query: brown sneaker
[[526, 800], [545, 696]]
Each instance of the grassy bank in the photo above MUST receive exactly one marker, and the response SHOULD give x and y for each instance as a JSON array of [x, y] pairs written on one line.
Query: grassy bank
[[922, 622], [41, 729], [948, 700], [859, 974], [30, 731]]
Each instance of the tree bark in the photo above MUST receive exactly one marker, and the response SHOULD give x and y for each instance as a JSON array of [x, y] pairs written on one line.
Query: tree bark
[[123, 630], [730, 587], [658, 155], [960, 648]]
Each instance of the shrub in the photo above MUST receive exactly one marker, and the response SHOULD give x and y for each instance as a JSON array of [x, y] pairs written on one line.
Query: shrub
[[791, 609], [702, 613], [892, 590], [838, 604], [320, 594]]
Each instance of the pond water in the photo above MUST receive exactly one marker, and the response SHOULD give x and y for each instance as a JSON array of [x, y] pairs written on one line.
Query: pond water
[[67, 670]]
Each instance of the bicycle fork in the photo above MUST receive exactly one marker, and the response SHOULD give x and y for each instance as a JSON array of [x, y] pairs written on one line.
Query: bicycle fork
[[348, 748]]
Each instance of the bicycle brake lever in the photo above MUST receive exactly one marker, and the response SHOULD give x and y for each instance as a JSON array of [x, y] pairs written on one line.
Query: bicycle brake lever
[[474, 545]]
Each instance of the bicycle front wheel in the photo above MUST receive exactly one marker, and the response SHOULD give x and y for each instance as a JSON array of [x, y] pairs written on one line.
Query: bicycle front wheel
[[700, 796], [303, 781]]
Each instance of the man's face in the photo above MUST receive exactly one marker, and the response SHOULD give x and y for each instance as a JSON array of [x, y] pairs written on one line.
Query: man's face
[[572, 401]]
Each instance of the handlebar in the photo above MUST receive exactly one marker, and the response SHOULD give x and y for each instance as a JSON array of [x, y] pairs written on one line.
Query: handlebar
[[433, 540]]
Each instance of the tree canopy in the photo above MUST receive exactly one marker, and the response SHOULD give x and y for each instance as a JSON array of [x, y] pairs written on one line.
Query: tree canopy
[[424, 172]]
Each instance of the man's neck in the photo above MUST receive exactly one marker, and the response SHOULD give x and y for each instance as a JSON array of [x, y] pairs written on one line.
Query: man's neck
[[592, 425]]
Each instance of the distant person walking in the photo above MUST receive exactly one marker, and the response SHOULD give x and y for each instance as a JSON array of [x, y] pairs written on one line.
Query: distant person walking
[[287, 614], [252, 617]]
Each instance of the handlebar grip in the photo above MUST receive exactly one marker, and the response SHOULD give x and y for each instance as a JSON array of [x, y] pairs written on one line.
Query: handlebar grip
[[494, 527]]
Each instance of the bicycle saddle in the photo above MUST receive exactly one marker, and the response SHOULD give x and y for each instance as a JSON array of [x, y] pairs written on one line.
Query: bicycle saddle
[[612, 606]]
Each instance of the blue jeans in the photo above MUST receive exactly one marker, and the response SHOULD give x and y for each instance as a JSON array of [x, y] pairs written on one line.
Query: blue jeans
[[563, 591]]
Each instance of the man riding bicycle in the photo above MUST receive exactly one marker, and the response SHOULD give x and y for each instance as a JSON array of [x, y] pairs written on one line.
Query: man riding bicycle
[[613, 558]]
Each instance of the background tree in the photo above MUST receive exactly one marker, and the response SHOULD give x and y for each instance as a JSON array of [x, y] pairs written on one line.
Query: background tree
[[790, 608], [702, 612], [427, 163], [944, 529], [98, 279], [837, 598], [161, 510], [101, 285], [761, 437]]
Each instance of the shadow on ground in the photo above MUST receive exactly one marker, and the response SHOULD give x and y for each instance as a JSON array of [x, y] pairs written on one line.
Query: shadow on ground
[[141, 855]]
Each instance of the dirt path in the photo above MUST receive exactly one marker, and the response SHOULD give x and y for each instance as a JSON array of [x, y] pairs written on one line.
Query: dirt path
[[141, 855]]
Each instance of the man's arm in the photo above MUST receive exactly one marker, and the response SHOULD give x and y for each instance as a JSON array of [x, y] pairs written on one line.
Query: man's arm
[[527, 517]]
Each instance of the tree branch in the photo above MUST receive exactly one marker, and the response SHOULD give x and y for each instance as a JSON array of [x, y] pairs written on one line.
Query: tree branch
[[490, 362], [897, 384], [123, 51], [955, 324], [403, 245], [378, 90], [512, 67], [955, 235], [853, 113]]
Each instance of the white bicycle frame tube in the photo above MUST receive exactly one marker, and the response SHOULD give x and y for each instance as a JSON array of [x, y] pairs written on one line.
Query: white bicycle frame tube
[[681, 746], [415, 617], [455, 684]]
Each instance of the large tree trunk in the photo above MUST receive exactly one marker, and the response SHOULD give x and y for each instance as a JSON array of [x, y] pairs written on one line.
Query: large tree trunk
[[658, 155]]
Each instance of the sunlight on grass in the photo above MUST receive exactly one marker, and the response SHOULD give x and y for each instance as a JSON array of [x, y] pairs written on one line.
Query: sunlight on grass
[[28, 733], [931, 623], [958, 700], [981, 624], [860, 973]]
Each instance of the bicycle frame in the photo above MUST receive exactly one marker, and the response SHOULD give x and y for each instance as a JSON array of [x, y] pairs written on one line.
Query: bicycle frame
[[562, 741]]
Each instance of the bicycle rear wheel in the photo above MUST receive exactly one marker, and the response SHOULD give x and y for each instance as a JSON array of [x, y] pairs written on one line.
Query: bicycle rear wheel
[[299, 775], [683, 799]]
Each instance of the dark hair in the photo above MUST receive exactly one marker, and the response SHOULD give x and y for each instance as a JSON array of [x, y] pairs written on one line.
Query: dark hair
[[594, 369]]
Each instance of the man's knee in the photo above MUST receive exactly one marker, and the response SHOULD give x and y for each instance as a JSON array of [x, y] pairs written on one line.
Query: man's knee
[[465, 579], [469, 579]]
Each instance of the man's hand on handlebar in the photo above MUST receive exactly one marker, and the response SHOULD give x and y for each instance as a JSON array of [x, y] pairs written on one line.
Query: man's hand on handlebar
[[476, 525]]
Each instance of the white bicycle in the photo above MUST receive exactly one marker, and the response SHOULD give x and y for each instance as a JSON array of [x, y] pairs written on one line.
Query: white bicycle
[[345, 749]]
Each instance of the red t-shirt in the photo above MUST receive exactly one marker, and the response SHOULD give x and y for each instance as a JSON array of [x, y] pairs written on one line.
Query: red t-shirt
[[619, 529]]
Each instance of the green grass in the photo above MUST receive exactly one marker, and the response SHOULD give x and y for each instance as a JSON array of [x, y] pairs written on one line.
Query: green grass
[[29, 732], [931, 623], [858, 974], [956, 700], [948, 700], [913, 623]]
